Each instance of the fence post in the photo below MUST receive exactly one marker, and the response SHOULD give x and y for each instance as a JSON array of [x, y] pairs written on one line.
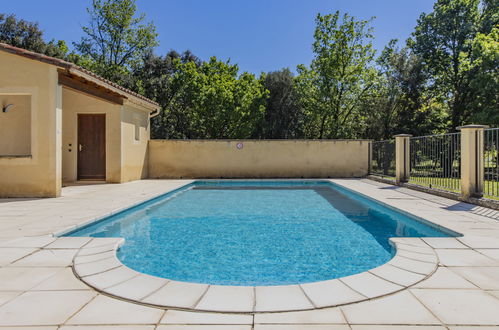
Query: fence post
[[402, 157], [472, 160]]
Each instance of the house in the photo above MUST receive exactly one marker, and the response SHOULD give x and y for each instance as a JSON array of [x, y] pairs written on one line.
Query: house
[[61, 123]]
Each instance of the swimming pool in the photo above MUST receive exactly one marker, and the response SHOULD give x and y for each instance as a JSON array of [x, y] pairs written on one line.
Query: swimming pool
[[258, 233]]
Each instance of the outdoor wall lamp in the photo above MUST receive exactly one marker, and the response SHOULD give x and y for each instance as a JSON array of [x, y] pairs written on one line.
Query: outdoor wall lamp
[[6, 108]]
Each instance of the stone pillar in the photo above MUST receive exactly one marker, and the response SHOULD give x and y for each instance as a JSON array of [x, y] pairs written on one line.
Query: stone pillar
[[472, 160], [402, 160]]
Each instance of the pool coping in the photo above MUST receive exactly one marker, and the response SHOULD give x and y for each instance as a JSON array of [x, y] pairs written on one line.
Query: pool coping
[[97, 265]]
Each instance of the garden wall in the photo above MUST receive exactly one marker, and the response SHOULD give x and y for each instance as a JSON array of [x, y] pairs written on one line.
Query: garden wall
[[258, 158]]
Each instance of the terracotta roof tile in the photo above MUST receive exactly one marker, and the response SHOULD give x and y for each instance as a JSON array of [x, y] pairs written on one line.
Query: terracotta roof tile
[[71, 66]]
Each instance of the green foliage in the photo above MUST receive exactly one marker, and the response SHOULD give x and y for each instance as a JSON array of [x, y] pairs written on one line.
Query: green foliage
[[339, 78], [399, 102], [116, 38], [27, 35], [446, 42], [283, 118], [484, 63], [210, 100]]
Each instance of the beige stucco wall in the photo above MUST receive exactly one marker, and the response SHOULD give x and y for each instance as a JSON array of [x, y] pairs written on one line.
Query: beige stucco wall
[[15, 125], [74, 103], [35, 174], [134, 152], [258, 159]]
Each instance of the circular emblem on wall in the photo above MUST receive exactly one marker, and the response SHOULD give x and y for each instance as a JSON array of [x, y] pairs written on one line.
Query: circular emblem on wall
[[239, 145]]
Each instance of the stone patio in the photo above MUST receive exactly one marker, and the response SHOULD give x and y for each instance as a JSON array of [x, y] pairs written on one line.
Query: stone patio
[[38, 289]]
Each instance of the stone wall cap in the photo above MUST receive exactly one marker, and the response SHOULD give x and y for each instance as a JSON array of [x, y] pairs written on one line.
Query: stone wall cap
[[472, 126], [403, 135]]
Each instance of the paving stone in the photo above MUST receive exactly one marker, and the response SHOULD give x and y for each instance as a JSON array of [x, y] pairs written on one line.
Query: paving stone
[[281, 298], [424, 268], [301, 327], [399, 276], [68, 243], [106, 310], [109, 278], [204, 327], [228, 299], [400, 308], [470, 307], [319, 316], [480, 242], [330, 293], [29, 242], [397, 327], [45, 307], [179, 294], [444, 278], [370, 285], [137, 287], [491, 253], [9, 255], [444, 243], [24, 278], [48, 258], [96, 267], [6, 296], [64, 279], [107, 327], [486, 278], [181, 317], [459, 257]]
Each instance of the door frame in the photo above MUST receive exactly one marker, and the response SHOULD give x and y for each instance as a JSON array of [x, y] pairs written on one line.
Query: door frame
[[78, 115]]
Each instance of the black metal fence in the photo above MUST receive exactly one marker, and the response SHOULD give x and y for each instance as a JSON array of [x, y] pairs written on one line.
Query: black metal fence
[[383, 158], [491, 163], [435, 161]]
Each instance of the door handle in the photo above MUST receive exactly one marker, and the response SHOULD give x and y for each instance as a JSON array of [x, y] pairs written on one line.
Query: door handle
[[80, 147]]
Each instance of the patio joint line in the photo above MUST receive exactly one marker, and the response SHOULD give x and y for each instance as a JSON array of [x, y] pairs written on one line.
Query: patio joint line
[[80, 309], [153, 292], [254, 303], [348, 286], [306, 296], [427, 308], [102, 271], [121, 282], [201, 297], [16, 260], [426, 262], [160, 319], [88, 262], [410, 270]]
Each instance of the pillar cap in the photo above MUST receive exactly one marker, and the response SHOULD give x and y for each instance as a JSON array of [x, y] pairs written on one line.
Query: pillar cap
[[471, 126], [403, 135]]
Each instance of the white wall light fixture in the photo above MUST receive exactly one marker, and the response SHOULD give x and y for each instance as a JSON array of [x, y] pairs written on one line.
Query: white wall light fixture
[[6, 108]]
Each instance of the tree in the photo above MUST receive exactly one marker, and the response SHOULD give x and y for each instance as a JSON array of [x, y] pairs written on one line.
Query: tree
[[400, 102], [485, 62], [283, 118], [116, 38], [443, 40], [27, 35], [339, 78], [210, 100]]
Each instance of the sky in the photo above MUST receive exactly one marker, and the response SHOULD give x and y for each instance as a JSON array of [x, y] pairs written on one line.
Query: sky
[[258, 35]]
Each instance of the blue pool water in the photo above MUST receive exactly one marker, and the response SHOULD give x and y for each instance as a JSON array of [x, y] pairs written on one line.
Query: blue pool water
[[258, 233]]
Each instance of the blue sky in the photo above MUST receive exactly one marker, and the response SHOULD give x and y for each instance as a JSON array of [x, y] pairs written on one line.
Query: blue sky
[[259, 35]]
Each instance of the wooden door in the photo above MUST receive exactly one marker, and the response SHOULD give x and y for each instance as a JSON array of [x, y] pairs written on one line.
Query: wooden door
[[91, 147]]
